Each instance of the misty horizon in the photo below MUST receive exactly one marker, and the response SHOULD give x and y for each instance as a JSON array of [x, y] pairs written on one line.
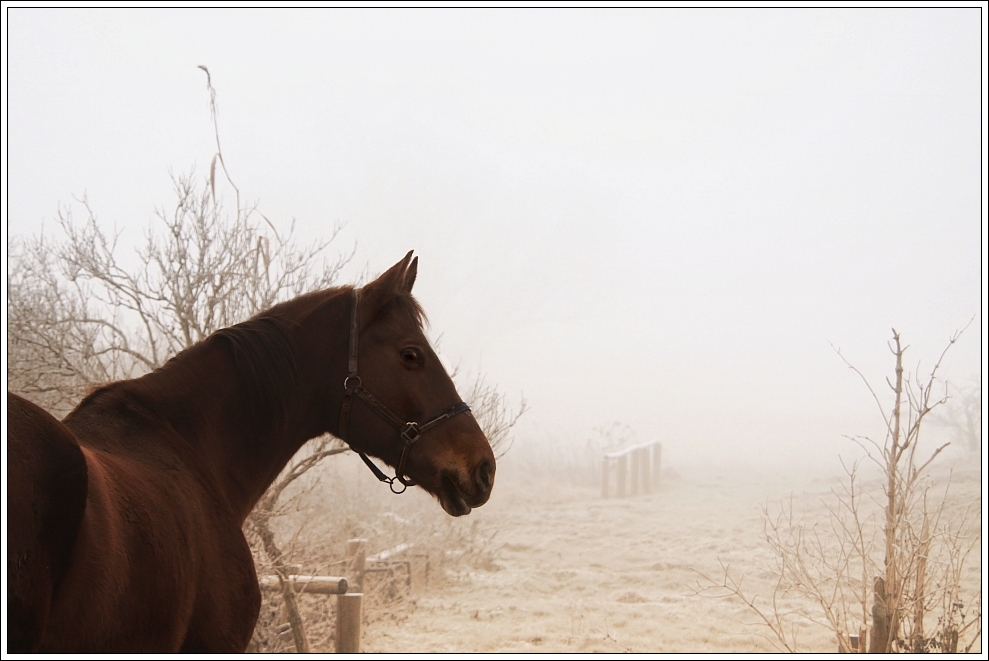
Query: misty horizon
[[665, 219]]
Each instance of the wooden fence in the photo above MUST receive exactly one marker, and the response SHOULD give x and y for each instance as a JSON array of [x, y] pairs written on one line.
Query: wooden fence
[[636, 469], [349, 590]]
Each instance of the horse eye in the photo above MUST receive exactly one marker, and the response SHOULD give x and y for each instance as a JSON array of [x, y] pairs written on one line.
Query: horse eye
[[411, 356]]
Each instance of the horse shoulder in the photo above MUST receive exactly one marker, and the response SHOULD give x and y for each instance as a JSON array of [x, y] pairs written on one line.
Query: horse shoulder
[[126, 588], [156, 559], [159, 556]]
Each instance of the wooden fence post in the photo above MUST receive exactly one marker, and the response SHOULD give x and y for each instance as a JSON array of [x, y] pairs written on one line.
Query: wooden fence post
[[636, 467], [349, 623], [657, 458], [636, 471], [646, 464], [355, 565], [622, 470], [856, 642], [879, 636]]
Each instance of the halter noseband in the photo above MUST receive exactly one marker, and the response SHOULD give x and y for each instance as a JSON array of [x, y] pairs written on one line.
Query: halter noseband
[[409, 431]]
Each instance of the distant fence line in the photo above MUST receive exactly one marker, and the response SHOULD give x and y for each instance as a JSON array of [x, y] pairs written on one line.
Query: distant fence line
[[636, 469]]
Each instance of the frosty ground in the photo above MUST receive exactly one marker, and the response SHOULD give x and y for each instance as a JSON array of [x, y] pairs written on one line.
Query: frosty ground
[[564, 570]]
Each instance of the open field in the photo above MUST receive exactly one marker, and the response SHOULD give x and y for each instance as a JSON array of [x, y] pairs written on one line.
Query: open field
[[567, 571]]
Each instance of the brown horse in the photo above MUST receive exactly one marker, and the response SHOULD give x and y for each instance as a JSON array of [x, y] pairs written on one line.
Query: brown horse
[[124, 520]]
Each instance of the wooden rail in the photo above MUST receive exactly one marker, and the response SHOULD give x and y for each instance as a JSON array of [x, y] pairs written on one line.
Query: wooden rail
[[310, 584], [384, 555], [638, 465], [349, 590]]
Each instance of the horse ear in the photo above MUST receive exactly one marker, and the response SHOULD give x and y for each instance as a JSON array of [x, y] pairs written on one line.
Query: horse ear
[[393, 280], [398, 279], [410, 274]]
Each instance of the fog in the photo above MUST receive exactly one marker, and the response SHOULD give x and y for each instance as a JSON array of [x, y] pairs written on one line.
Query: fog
[[668, 219]]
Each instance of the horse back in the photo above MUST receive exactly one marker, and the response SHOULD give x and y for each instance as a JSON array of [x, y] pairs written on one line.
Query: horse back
[[46, 498]]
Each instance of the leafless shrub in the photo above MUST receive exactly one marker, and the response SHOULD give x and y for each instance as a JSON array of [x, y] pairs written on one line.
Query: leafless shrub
[[51, 356], [897, 543], [81, 313], [492, 412], [79, 316]]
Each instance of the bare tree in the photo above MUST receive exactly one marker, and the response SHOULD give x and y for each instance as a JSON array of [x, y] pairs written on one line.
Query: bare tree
[[52, 355], [898, 543], [86, 314]]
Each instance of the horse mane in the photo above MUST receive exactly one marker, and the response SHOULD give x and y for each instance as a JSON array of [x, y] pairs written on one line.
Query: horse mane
[[265, 359], [266, 364]]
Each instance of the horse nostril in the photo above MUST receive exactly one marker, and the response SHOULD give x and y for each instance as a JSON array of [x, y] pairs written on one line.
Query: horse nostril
[[484, 474]]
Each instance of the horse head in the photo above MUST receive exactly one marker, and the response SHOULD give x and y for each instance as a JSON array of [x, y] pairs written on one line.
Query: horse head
[[401, 406]]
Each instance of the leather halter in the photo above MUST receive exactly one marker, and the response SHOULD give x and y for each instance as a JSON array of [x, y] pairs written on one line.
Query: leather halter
[[409, 431]]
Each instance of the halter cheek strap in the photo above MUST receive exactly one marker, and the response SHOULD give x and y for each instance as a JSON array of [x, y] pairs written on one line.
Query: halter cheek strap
[[410, 432]]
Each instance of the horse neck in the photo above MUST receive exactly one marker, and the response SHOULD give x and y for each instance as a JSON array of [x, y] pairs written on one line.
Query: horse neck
[[243, 419]]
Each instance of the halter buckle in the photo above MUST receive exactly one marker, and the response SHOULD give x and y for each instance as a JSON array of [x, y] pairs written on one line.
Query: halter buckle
[[411, 433]]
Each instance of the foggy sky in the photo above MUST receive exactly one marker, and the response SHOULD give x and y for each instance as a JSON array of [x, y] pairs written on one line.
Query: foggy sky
[[664, 218]]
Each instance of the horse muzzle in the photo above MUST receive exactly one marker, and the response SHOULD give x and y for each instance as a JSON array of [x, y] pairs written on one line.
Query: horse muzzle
[[458, 495]]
